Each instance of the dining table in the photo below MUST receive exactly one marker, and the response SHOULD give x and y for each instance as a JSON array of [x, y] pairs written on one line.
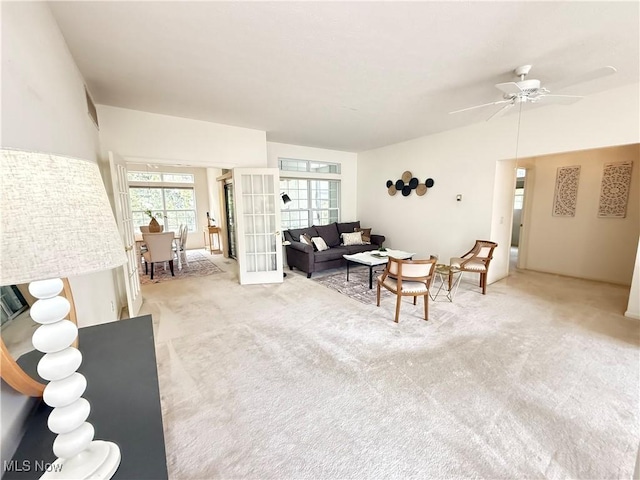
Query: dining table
[[176, 242]]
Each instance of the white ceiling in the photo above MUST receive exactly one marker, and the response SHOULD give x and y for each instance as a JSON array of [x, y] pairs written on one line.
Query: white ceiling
[[342, 75]]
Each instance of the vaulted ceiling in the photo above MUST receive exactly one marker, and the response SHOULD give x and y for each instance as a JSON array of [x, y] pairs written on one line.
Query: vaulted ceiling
[[342, 75]]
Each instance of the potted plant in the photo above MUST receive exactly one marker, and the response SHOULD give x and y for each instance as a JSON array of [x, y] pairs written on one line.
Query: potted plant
[[154, 226]]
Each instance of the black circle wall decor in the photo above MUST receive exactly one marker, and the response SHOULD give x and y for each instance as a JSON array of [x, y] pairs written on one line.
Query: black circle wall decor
[[408, 183]]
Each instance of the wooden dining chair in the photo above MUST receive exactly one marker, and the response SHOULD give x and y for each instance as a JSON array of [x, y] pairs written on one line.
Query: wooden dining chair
[[159, 249], [181, 243], [476, 260], [408, 278]]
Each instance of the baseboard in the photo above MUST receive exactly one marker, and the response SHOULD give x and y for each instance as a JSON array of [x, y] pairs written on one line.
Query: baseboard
[[632, 315]]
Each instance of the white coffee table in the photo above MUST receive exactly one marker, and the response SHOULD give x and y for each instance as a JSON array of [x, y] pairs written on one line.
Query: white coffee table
[[373, 259]]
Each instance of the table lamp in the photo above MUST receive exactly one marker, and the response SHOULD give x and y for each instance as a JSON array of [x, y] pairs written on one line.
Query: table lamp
[[56, 222]]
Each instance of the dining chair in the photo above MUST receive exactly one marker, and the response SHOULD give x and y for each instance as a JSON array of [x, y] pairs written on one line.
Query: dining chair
[[408, 278], [181, 244], [159, 249], [476, 260]]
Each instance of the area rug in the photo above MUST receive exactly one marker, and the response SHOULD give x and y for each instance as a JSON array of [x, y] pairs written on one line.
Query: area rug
[[200, 264], [357, 287]]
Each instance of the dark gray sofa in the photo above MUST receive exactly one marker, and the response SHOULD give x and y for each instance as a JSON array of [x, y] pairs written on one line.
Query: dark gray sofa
[[303, 257]]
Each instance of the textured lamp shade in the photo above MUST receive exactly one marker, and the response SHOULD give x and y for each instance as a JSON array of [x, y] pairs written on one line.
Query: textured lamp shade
[[57, 222], [56, 219]]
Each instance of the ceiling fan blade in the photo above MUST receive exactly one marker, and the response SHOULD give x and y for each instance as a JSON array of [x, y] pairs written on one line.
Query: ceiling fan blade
[[559, 99], [585, 77], [501, 112], [510, 88], [483, 105]]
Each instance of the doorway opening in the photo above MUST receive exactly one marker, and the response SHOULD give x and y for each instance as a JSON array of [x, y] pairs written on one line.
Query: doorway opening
[[518, 208]]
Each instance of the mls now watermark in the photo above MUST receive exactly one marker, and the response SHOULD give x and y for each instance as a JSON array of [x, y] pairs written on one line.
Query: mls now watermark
[[30, 466]]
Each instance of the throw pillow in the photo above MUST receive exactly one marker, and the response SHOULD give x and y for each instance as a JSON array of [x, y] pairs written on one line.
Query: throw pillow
[[366, 233], [354, 238], [319, 244], [329, 234], [306, 239]]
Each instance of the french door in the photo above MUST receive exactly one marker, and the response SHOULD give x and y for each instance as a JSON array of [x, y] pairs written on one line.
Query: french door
[[257, 223], [125, 226]]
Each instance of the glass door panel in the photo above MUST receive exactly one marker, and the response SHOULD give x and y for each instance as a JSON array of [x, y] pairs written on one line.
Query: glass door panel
[[259, 237]]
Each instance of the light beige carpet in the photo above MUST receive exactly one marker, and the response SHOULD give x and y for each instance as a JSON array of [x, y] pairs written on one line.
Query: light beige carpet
[[537, 379], [199, 264]]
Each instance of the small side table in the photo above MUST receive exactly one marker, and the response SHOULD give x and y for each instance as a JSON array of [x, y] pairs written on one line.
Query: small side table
[[214, 234], [442, 273]]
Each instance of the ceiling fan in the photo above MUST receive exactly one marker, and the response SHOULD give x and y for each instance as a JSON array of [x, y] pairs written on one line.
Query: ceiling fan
[[532, 91]]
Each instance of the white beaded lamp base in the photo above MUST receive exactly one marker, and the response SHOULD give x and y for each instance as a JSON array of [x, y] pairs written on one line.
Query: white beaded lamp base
[[79, 456], [99, 460]]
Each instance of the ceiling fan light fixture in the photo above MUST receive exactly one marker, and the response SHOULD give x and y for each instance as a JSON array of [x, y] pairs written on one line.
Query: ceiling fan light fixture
[[529, 85]]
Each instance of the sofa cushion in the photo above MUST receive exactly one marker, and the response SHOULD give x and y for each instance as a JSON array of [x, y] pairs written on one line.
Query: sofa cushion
[[366, 233], [353, 238], [296, 232], [320, 244], [329, 233], [306, 239], [360, 248], [331, 254], [348, 227]]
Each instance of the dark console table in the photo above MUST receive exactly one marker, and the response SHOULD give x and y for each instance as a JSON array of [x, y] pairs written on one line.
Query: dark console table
[[119, 361]]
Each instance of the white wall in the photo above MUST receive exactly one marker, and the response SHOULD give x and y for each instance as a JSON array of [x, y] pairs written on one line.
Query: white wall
[[44, 109], [142, 136], [460, 162], [633, 308], [348, 171], [584, 245], [464, 161], [213, 190], [501, 224]]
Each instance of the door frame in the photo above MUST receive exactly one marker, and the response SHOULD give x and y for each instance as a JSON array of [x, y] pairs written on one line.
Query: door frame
[[123, 215], [260, 231]]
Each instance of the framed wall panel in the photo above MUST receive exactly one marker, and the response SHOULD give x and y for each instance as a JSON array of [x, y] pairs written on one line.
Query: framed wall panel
[[566, 193], [614, 191]]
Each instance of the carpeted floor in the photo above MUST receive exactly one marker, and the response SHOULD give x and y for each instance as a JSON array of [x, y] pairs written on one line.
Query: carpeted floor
[[200, 264], [357, 287], [537, 379]]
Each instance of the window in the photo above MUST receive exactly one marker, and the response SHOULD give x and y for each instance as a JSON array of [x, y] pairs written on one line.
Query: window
[[313, 202], [293, 165], [159, 177], [518, 199], [169, 201]]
